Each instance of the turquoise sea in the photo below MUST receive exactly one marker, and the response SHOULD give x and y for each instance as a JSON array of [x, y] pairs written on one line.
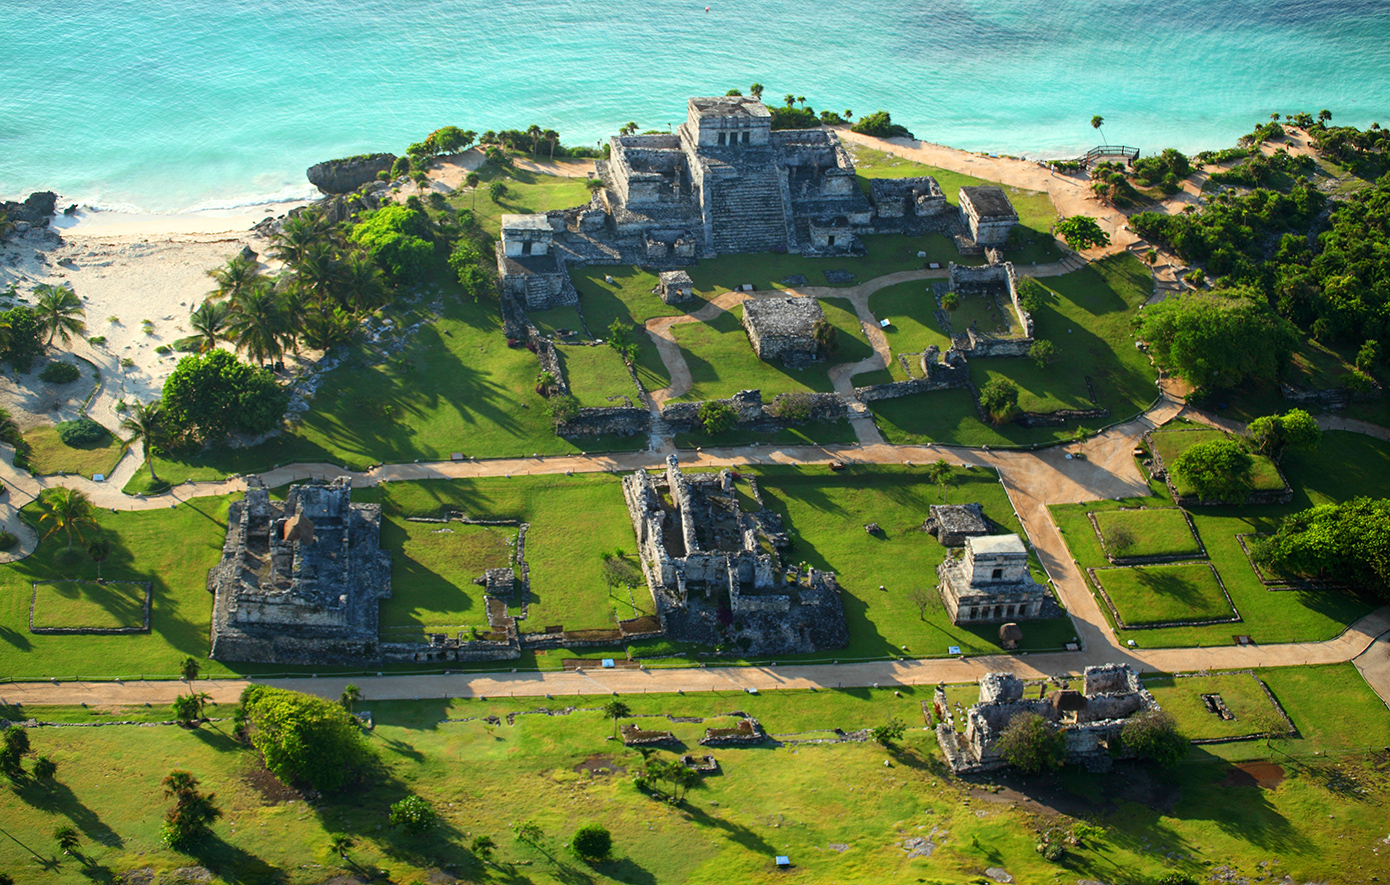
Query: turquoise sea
[[163, 105]]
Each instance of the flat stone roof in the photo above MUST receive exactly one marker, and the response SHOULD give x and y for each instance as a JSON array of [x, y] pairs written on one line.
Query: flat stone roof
[[678, 277], [995, 544], [989, 201], [527, 222], [729, 106], [783, 316]]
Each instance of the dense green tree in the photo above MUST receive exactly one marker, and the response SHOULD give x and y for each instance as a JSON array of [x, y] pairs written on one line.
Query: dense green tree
[[361, 284], [414, 815], [1275, 435], [880, 124], [717, 416], [1081, 232], [297, 235], [1218, 339], [1030, 743], [592, 842], [259, 323], [192, 815], [59, 312], [1217, 471], [22, 337], [210, 395], [1346, 543], [999, 399], [1043, 352], [1154, 735], [68, 511], [305, 739], [398, 239]]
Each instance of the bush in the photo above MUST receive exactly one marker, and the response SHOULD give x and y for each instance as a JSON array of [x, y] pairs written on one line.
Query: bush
[[25, 338], [791, 407], [1043, 352], [999, 399], [7, 540], [1154, 735], [1217, 471], [880, 124], [82, 432], [563, 409], [305, 739], [414, 815], [1032, 295], [59, 372], [592, 842], [717, 417], [213, 394], [397, 239], [1031, 744]]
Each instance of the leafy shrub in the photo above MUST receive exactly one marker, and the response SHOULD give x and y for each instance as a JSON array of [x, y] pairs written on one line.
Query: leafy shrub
[[97, 340], [791, 407], [794, 118], [163, 350], [592, 842], [60, 372], [999, 399], [25, 339], [82, 432], [1217, 471], [210, 395], [305, 739], [397, 239], [7, 540], [880, 124], [1154, 735], [1031, 744], [716, 417], [414, 815], [563, 409], [1032, 295]]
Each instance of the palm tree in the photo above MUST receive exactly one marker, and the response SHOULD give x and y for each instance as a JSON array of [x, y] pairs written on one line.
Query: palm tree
[[326, 328], [209, 321], [59, 312], [553, 137], [100, 551], [756, 90], [67, 838], [188, 669], [789, 99], [144, 423], [351, 695], [318, 272], [473, 179], [69, 511], [361, 284], [801, 100], [297, 234], [259, 325], [1096, 122], [535, 133], [616, 709], [237, 274]]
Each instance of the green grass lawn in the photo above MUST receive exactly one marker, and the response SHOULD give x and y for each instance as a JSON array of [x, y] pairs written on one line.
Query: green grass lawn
[[82, 604], [557, 319], [886, 253], [1160, 594], [985, 316], [431, 565], [1088, 319], [596, 375], [1032, 242], [527, 193], [1363, 468], [50, 455], [1170, 444], [170, 548], [562, 770], [1152, 532], [456, 387], [722, 362], [912, 328], [1181, 697]]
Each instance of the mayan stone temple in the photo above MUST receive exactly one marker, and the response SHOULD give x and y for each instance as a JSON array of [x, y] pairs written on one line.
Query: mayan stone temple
[[300, 582], [716, 572]]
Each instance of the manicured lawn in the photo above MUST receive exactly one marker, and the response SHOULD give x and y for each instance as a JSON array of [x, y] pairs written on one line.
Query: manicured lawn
[[1181, 697], [82, 604], [431, 565], [1088, 320], [1170, 444], [574, 521], [555, 320], [985, 315], [561, 770], [912, 328], [1153, 532], [722, 362], [172, 548], [1159, 594], [49, 455], [887, 253], [527, 192], [456, 387], [1032, 242], [596, 375]]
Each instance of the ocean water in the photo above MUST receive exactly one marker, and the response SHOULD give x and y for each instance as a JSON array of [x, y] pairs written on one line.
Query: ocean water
[[169, 105]]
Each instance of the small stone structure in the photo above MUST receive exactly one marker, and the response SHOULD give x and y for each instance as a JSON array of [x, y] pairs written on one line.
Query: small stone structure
[[991, 582], [716, 573], [528, 266], [747, 732], [998, 282], [902, 197], [675, 287], [986, 210], [1090, 720], [954, 523], [833, 236], [300, 582], [783, 328]]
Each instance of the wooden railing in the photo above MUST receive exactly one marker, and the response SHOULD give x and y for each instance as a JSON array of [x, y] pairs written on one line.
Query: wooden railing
[[1130, 154]]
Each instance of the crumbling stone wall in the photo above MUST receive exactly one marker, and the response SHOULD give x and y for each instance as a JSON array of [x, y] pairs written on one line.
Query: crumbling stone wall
[[753, 414], [952, 372], [607, 421]]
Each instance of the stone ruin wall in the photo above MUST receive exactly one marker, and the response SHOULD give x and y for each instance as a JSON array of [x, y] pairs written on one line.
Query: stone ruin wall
[[983, 280], [951, 373], [753, 414]]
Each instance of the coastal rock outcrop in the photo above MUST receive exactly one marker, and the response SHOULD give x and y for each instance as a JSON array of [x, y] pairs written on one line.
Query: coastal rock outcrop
[[348, 174], [35, 210]]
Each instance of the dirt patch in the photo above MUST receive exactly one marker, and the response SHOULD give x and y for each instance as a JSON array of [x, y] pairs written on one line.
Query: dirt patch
[[1265, 775], [273, 791], [599, 765]]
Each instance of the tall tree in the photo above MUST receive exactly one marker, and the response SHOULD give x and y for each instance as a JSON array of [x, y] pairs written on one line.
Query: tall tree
[[100, 551], [68, 511], [318, 273], [616, 709], [473, 180], [236, 275], [1096, 122], [209, 322], [258, 324], [297, 234], [535, 133], [59, 312], [756, 90], [553, 137], [362, 285], [144, 422]]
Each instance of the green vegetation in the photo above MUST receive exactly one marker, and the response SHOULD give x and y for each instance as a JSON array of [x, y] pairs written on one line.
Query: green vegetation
[[1344, 543], [60, 372], [304, 739], [1218, 339], [1181, 697], [48, 454], [67, 604], [525, 193], [912, 328], [597, 376], [1161, 594], [1152, 532], [211, 395], [1259, 474], [432, 569]]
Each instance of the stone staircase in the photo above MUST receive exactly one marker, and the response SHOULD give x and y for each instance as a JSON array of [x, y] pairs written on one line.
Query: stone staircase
[[747, 211]]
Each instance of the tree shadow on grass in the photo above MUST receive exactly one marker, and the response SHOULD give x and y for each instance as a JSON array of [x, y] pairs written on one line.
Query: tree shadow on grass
[[234, 864], [735, 832], [58, 797], [625, 870]]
